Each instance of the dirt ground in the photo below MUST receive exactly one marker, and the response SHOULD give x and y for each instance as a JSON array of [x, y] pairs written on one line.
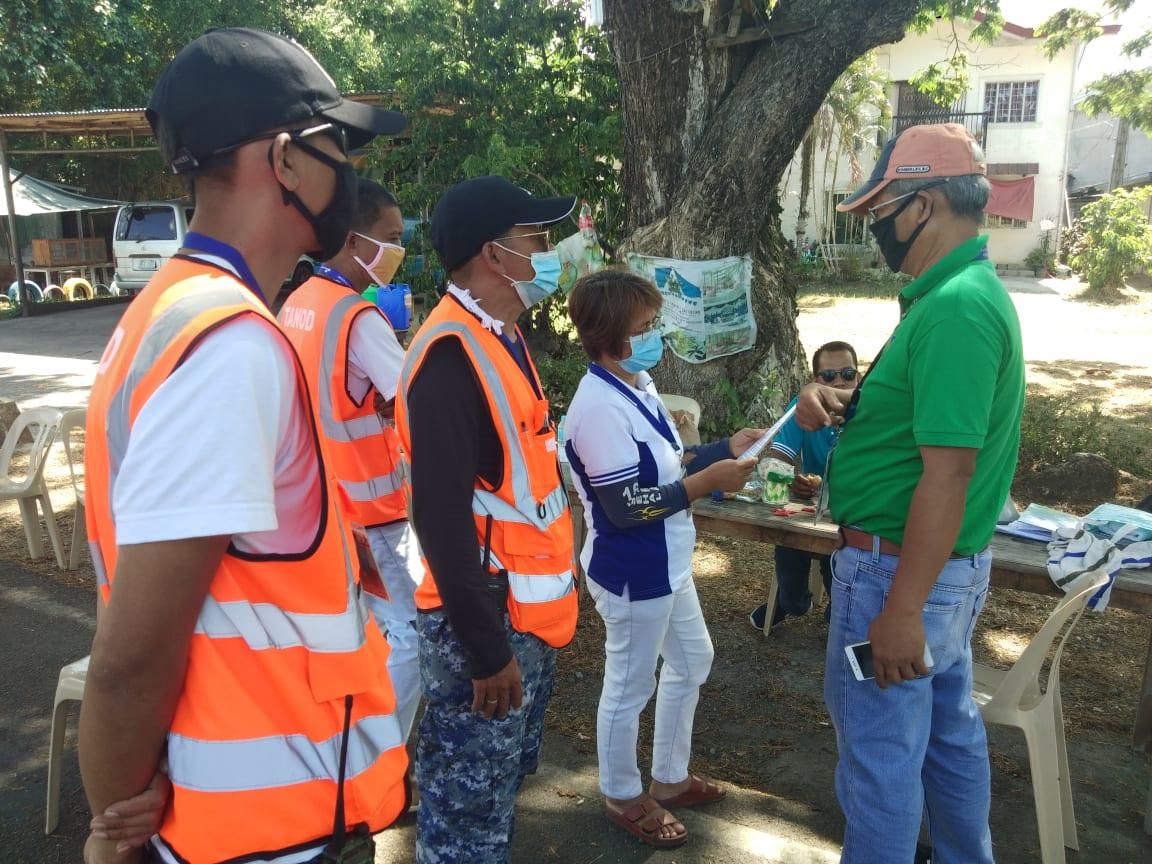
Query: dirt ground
[[761, 723]]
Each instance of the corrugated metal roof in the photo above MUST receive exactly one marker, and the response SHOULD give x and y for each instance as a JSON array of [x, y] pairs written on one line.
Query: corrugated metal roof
[[121, 121]]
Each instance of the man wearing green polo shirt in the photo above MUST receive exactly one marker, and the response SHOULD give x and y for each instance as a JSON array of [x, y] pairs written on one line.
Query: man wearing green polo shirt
[[925, 458]]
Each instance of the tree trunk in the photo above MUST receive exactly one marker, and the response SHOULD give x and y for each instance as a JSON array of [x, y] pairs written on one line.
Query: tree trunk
[[709, 133], [807, 163]]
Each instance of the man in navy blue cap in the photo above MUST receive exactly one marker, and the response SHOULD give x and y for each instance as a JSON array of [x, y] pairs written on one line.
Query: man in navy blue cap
[[231, 639], [491, 513]]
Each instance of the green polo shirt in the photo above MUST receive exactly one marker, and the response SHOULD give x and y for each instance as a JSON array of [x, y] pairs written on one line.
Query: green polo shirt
[[952, 375]]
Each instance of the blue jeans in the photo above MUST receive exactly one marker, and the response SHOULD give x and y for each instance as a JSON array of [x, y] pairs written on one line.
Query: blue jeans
[[917, 747], [792, 566]]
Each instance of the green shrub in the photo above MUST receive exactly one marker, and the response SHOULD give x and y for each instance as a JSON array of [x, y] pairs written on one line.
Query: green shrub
[[1117, 239], [560, 376], [1056, 426]]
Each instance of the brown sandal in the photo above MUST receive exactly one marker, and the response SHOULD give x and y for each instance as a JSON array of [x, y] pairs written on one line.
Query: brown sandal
[[700, 791], [644, 819]]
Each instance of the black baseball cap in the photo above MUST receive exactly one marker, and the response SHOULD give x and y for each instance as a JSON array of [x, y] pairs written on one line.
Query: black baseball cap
[[482, 209], [231, 85]]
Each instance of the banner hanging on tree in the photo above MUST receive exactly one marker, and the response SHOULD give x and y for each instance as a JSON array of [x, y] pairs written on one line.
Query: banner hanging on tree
[[707, 304], [581, 253]]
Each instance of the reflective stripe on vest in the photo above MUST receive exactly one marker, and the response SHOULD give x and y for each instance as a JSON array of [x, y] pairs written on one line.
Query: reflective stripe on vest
[[333, 427], [98, 565], [160, 334], [535, 588], [278, 760], [527, 510], [265, 625], [375, 487]]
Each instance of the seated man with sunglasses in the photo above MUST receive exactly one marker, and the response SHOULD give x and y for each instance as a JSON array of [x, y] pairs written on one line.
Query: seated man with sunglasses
[[834, 364]]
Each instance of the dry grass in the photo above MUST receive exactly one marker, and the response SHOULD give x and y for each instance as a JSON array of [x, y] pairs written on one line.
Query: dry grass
[[763, 706]]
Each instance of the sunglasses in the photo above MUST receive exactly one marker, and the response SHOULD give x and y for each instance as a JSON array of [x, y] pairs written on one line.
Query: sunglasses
[[848, 373], [546, 234], [890, 201], [334, 132]]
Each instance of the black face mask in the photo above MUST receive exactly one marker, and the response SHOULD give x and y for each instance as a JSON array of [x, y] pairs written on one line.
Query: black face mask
[[332, 224], [884, 230]]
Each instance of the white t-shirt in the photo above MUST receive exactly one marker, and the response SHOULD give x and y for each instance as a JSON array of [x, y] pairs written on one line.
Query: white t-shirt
[[609, 440], [375, 356], [223, 447]]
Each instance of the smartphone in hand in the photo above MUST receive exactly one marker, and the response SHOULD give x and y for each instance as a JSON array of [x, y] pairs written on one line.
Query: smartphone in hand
[[860, 659]]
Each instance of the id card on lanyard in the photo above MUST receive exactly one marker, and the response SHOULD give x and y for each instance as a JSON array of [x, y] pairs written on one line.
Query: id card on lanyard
[[658, 420]]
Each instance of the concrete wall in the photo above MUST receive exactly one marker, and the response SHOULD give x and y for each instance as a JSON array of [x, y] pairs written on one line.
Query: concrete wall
[[1010, 58]]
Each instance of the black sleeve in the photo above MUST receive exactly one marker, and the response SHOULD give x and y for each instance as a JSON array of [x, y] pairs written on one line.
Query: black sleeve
[[627, 505], [703, 455], [447, 415]]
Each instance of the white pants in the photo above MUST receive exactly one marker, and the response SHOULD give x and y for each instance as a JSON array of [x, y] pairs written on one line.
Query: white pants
[[397, 555], [638, 634]]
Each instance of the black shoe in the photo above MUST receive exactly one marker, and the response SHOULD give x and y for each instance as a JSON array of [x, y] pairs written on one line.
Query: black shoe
[[923, 854]]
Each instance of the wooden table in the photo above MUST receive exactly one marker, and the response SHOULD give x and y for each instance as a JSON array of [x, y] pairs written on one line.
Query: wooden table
[[1018, 564]]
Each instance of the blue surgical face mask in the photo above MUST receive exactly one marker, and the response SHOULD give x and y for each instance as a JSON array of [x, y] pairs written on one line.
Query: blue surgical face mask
[[647, 349], [546, 281]]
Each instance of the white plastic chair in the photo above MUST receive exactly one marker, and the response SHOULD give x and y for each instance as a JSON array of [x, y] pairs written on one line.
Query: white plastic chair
[[686, 404], [32, 488], [69, 688], [1014, 698], [71, 422]]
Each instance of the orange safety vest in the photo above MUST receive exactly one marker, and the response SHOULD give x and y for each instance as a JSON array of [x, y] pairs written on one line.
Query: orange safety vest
[[254, 744], [365, 450], [527, 516]]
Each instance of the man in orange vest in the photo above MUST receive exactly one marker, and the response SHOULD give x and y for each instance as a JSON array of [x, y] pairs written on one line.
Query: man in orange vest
[[351, 356], [232, 641], [491, 511]]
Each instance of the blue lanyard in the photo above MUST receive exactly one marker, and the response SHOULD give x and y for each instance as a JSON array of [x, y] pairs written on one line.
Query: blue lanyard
[[519, 352], [211, 246], [658, 421], [335, 275]]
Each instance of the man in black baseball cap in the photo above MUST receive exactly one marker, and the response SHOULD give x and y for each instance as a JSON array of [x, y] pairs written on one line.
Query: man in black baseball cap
[[467, 388], [231, 606], [231, 85]]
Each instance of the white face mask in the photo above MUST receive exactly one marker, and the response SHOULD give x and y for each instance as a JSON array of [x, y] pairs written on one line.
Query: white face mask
[[384, 263]]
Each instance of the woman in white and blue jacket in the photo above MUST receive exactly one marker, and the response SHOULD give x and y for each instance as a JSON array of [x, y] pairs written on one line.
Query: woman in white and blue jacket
[[637, 480]]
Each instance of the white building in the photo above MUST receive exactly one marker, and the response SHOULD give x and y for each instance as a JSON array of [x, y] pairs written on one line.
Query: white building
[[1019, 105]]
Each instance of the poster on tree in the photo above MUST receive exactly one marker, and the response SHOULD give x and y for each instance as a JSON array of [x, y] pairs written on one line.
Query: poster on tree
[[707, 304]]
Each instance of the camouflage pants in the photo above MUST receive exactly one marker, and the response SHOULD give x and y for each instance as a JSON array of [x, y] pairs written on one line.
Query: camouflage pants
[[469, 769]]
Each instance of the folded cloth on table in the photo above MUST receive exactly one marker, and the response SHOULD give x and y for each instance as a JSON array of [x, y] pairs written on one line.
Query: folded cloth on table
[[1076, 550]]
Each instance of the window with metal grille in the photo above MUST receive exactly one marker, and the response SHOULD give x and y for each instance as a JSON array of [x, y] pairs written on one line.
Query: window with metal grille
[[1011, 101], [1004, 222]]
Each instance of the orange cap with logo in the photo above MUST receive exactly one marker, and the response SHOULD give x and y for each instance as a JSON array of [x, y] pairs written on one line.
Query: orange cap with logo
[[937, 150]]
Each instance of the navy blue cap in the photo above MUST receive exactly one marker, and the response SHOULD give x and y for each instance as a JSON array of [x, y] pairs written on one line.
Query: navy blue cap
[[482, 209], [231, 85]]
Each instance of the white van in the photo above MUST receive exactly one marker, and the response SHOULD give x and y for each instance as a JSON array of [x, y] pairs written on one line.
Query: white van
[[147, 234]]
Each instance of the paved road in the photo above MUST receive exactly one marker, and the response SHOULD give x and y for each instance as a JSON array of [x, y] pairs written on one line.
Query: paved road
[[44, 625], [51, 359]]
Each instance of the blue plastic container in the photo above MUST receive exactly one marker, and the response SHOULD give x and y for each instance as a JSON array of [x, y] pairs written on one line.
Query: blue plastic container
[[395, 301]]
